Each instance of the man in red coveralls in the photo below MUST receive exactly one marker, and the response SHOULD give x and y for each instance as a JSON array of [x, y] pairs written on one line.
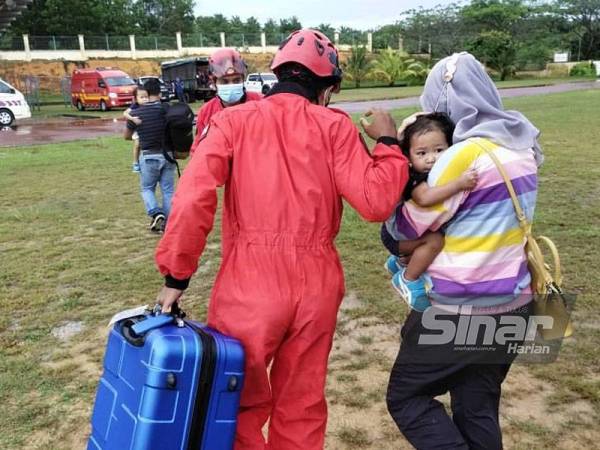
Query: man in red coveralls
[[229, 69], [286, 162]]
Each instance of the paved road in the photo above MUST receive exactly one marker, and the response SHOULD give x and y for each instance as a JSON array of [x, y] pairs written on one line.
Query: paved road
[[71, 129], [359, 107]]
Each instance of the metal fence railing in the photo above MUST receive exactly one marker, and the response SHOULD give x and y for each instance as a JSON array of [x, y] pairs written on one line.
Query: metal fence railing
[[41, 90], [274, 38], [386, 40], [201, 40], [242, 40], [11, 43], [107, 42], [53, 43], [156, 43], [353, 39], [380, 40]]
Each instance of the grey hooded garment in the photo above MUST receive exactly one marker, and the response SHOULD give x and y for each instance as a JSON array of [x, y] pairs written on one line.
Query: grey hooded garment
[[473, 103]]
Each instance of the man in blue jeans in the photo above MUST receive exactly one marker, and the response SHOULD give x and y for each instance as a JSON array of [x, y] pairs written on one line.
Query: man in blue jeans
[[154, 167]]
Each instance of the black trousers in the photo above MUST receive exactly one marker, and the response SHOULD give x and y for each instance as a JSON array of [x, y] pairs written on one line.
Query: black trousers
[[473, 378], [388, 241]]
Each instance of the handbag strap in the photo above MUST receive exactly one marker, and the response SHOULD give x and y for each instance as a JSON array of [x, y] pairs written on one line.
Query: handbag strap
[[525, 225]]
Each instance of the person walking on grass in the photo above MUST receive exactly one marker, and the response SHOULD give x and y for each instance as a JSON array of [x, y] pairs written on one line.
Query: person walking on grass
[[228, 69], [481, 271], [286, 161], [155, 170]]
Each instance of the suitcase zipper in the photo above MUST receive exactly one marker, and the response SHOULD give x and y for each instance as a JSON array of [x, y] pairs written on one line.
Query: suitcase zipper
[[207, 371]]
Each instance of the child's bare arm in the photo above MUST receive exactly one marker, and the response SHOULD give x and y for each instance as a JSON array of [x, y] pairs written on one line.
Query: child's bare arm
[[128, 116], [424, 195]]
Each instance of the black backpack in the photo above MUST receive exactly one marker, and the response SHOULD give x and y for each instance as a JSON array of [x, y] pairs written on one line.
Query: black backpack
[[179, 131]]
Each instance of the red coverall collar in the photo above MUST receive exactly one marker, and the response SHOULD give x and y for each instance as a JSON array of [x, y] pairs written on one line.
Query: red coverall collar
[[288, 87]]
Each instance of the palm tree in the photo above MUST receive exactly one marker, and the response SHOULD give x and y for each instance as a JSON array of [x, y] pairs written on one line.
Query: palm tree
[[357, 65], [392, 66]]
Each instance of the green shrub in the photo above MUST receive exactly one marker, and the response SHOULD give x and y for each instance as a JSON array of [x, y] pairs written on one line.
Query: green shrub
[[583, 69]]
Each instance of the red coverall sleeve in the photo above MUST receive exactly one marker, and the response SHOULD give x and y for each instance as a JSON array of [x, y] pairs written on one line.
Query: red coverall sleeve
[[372, 184], [194, 205], [201, 122]]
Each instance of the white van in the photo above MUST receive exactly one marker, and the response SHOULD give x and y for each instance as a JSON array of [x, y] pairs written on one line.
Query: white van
[[260, 82], [12, 105]]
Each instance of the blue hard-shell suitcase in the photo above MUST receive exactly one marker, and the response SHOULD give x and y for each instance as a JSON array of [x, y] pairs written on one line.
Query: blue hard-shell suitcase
[[167, 384]]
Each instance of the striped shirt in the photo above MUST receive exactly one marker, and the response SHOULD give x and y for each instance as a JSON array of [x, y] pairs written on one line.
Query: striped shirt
[[152, 129], [483, 262]]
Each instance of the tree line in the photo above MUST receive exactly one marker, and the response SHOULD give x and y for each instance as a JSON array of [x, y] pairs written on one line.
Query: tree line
[[508, 34], [512, 33]]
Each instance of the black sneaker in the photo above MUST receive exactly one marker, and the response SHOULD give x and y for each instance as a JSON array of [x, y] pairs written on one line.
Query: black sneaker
[[157, 224]]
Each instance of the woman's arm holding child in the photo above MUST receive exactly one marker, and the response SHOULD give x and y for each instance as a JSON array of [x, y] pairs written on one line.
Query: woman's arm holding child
[[425, 195]]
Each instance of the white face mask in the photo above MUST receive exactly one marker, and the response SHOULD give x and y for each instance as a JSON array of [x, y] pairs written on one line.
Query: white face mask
[[230, 93]]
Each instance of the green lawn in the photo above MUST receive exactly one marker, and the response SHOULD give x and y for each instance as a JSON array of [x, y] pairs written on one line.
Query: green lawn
[[74, 248], [56, 111]]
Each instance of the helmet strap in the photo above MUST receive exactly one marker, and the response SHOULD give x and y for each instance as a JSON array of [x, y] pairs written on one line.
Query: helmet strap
[[325, 96]]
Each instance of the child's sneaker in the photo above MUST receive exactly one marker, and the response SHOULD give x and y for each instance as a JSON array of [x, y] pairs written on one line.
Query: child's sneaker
[[414, 293], [135, 168], [157, 223], [392, 265]]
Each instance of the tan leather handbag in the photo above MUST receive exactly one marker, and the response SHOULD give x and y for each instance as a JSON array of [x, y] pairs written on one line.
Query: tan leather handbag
[[546, 277]]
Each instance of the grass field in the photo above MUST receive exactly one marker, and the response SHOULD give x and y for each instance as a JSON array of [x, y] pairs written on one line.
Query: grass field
[[56, 111], [74, 250]]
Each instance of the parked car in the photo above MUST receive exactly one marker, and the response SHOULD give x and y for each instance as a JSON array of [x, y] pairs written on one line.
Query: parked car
[[102, 88], [260, 82], [167, 93], [13, 105], [193, 72]]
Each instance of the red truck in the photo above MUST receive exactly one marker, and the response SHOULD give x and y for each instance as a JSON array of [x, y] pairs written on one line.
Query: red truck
[[102, 88]]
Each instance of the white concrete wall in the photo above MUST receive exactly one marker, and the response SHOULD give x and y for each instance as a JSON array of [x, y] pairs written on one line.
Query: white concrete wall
[[99, 54], [13, 56]]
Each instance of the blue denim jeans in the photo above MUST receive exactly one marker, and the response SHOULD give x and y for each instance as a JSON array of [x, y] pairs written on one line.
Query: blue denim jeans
[[155, 169]]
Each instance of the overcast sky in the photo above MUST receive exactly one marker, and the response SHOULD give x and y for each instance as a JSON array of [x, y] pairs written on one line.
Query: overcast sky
[[361, 14]]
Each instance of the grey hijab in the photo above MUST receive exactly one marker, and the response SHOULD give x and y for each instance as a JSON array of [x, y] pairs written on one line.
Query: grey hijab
[[472, 101]]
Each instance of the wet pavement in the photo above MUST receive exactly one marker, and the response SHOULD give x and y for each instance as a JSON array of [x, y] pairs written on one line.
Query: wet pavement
[[72, 128], [58, 130]]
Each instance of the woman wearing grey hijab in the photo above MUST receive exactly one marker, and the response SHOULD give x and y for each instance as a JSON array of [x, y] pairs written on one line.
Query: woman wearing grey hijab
[[481, 270], [472, 101]]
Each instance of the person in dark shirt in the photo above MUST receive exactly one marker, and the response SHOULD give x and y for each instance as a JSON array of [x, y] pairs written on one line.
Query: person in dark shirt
[[155, 169], [179, 90]]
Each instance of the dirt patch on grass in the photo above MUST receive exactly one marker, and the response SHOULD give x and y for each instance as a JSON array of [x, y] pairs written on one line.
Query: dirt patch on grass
[[83, 358], [532, 412], [67, 330], [70, 427], [363, 353]]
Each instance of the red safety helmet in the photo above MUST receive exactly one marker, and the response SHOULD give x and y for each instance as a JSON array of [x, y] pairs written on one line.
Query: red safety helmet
[[227, 61], [313, 50]]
